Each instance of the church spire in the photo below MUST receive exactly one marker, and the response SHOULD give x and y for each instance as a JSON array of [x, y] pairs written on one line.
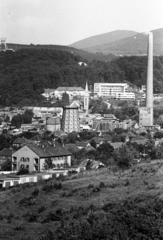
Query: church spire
[[86, 98], [86, 86]]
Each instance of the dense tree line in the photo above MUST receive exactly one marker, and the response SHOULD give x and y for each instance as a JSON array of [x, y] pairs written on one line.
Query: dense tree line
[[25, 74]]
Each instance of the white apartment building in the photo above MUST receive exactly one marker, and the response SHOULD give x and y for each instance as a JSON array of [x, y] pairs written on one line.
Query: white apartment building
[[110, 89], [125, 96]]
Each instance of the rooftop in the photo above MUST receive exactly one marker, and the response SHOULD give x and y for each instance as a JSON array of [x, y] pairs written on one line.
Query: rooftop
[[6, 152], [45, 149], [69, 89]]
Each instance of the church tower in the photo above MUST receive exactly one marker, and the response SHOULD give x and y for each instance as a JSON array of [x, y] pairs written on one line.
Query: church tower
[[86, 99]]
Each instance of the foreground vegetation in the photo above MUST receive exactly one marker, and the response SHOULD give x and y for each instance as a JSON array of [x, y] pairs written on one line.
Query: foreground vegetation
[[103, 204]]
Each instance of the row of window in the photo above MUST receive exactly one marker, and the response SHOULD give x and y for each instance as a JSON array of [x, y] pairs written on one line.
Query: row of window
[[23, 159], [24, 166], [61, 165]]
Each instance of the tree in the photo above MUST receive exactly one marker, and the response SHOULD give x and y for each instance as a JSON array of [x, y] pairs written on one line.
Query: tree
[[6, 165], [16, 121], [93, 143], [124, 156], [27, 116], [105, 152], [48, 164]]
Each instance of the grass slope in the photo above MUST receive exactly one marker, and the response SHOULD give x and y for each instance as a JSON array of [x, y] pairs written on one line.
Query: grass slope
[[99, 205]]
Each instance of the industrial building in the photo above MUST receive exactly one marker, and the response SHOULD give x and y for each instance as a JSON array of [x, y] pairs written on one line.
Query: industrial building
[[70, 119]]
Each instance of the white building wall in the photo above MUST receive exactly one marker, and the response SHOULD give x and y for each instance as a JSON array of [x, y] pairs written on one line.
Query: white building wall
[[28, 155], [110, 89], [57, 161]]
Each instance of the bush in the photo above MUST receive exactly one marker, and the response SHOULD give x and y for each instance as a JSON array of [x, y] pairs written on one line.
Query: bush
[[49, 187], [23, 171], [27, 201], [35, 193]]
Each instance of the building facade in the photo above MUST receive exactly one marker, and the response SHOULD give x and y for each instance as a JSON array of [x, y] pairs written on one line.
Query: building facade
[[53, 124], [110, 89], [33, 157]]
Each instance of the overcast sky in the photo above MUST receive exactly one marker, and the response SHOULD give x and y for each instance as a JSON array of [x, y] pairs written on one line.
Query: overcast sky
[[64, 22]]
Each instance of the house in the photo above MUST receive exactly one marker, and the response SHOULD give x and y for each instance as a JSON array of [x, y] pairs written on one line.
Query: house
[[36, 138], [71, 91], [117, 145], [71, 147], [99, 140], [5, 154], [20, 142], [81, 145], [89, 164], [33, 156]]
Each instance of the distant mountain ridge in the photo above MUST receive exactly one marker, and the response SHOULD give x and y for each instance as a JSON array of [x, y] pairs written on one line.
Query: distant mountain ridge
[[136, 44], [103, 39]]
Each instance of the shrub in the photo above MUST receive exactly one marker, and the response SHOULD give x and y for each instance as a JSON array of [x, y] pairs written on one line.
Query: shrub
[[126, 183], [31, 217], [23, 171], [27, 201], [41, 209], [35, 193], [49, 187]]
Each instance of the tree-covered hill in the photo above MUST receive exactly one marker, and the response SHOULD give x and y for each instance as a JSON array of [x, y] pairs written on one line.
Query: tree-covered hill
[[25, 74], [77, 52], [122, 43]]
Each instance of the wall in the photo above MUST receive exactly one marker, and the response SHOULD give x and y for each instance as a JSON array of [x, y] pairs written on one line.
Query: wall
[[56, 160], [25, 152]]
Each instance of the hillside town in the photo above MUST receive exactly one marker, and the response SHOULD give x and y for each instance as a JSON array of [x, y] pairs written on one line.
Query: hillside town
[[82, 129]]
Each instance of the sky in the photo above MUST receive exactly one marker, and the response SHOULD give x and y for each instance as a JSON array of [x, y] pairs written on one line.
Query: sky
[[64, 22]]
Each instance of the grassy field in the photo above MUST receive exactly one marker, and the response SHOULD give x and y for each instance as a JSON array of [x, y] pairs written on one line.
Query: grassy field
[[87, 206]]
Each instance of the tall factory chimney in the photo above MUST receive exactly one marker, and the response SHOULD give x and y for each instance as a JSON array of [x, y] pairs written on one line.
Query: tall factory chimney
[[146, 113], [149, 87]]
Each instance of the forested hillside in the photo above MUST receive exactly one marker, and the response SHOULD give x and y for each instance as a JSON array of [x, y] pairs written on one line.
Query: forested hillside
[[25, 74], [122, 43]]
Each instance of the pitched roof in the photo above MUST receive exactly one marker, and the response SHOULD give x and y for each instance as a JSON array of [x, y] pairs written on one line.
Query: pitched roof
[[71, 147], [90, 148], [98, 139], [69, 89], [107, 137], [20, 141], [82, 144], [46, 150], [6, 152], [36, 138], [116, 145], [93, 164]]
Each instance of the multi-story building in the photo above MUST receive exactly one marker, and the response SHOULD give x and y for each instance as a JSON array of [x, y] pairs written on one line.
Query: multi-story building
[[33, 157], [71, 91], [125, 96], [110, 89]]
